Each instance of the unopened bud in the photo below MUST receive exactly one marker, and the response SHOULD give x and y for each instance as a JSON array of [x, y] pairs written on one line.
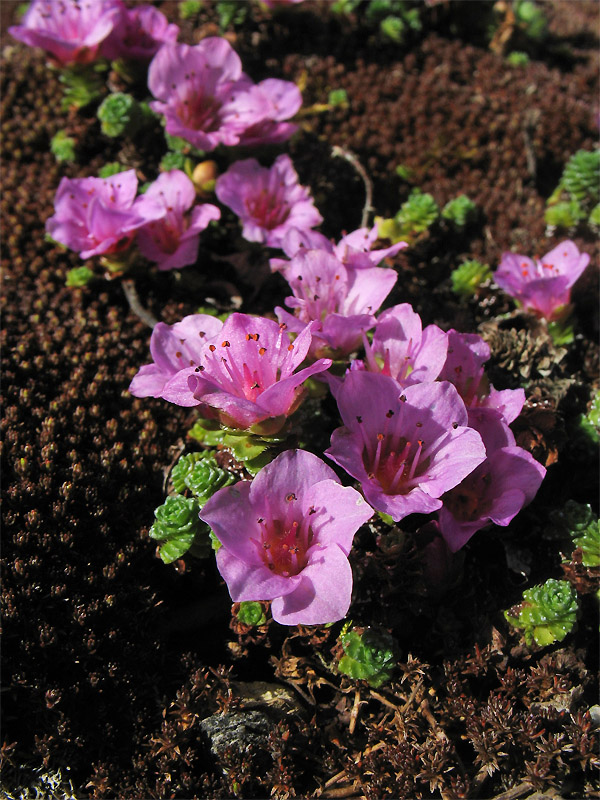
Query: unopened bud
[[204, 177]]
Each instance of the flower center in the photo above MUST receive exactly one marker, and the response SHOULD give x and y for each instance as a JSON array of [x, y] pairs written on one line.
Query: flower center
[[284, 543], [268, 208], [468, 501], [394, 463], [199, 111]]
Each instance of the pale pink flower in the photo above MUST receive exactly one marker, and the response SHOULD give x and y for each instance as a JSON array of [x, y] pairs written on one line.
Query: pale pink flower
[[286, 537], [70, 31], [268, 201], [172, 239], [542, 286], [139, 33]]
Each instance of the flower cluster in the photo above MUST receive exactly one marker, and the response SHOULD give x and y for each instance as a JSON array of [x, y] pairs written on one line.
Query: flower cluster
[[80, 31], [103, 216], [207, 99]]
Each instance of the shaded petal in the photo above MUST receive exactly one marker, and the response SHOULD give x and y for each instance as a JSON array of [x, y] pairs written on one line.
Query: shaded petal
[[252, 581], [323, 593], [233, 518]]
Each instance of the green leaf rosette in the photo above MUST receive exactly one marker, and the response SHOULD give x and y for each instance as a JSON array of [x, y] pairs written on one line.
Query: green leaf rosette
[[368, 655], [178, 529], [547, 614]]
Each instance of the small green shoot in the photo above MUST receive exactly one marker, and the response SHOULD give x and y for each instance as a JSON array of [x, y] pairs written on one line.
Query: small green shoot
[[78, 277], [368, 655], [547, 613], [62, 147], [468, 277], [251, 613]]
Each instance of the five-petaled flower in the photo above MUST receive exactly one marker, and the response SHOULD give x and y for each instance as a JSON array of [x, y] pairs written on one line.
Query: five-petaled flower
[[404, 350], [542, 286], [340, 299], [172, 240], [268, 201], [407, 447], [244, 375], [70, 31], [286, 537]]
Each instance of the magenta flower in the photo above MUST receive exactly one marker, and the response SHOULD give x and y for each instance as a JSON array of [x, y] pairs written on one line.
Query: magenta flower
[[341, 300], [542, 287], [203, 94], [98, 216], [467, 353], [269, 202], [172, 240], [284, 100], [140, 32], [242, 373], [353, 249], [70, 31], [286, 537], [496, 490], [406, 447], [403, 350], [175, 349]]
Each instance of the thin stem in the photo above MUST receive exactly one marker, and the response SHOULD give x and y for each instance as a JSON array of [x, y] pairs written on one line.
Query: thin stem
[[339, 152], [135, 305]]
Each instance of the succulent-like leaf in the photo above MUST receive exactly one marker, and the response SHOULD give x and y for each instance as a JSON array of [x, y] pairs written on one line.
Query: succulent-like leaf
[[251, 613], [368, 655], [547, 614], [468, 277], [179, 529], [460, 210]]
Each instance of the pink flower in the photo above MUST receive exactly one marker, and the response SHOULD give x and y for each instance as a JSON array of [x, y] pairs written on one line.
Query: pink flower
[[70, 31], [140, 32], [340, 299], [241, 373], [403, 350], [203, 94], [406, 447], [268, 201], [543, 287], [97, 216], [496, 490], [174, 348], [467, 353], [353, 249], [284, 100], [286, 537], [172, 239]]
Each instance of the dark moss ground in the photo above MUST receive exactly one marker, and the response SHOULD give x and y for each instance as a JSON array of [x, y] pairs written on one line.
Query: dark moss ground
[[111, 659]]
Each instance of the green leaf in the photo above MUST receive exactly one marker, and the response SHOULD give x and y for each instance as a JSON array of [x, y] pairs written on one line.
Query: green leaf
[[78, 277], [251, 613], [120, 113], [338, 97], [110, 169], [468, 277], [62, 147], [460, 210], [517, 59], [175, 547], [189, 8], [368, 655], [547, 614]]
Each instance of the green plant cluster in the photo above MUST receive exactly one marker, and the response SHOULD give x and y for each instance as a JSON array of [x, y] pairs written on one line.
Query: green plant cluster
[[420, 212], [251, 613], [79, 276], [530, 18], [368, 655], [62, 146], [589, 423], [178, 528], [468, 277], [547, 613], [82, 84], [252, 450], [121, 114], [577, 196], [200, 474]]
